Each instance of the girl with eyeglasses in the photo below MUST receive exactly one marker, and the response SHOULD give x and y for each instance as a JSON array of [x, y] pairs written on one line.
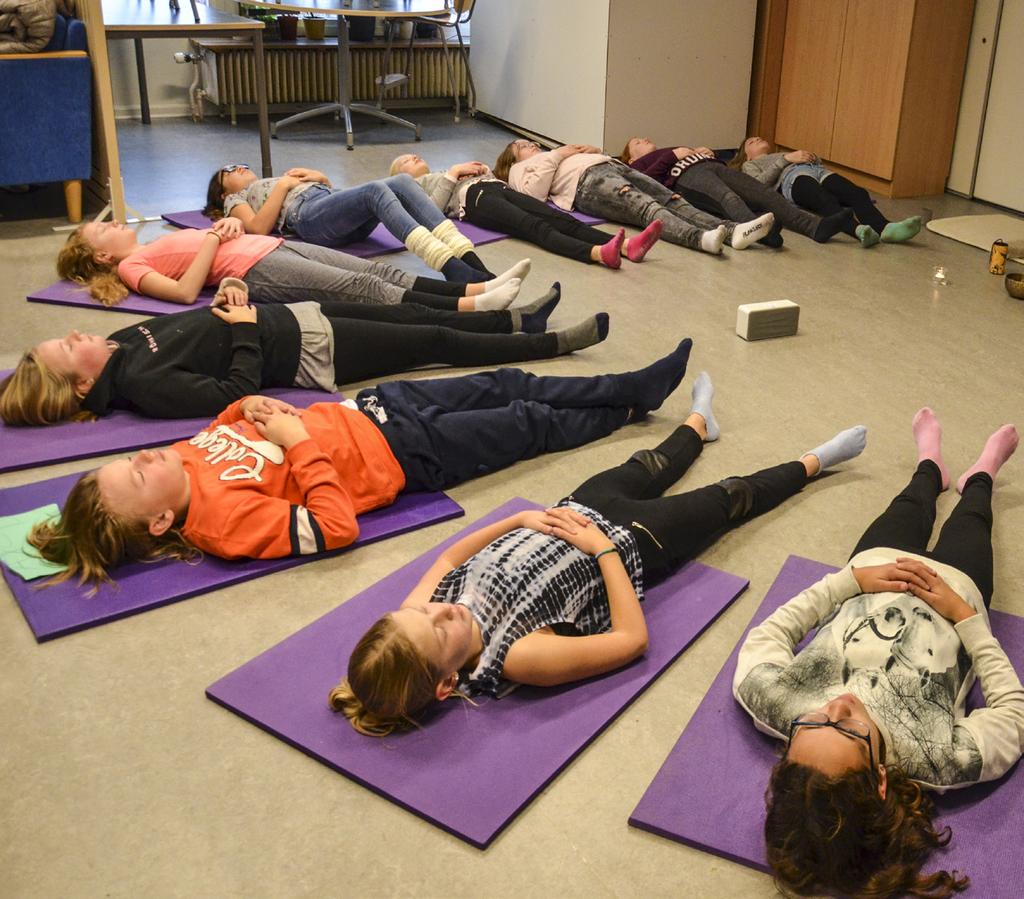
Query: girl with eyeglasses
[[470, 191], [578, 176], [107, 259], [873, 707], [302, 202]]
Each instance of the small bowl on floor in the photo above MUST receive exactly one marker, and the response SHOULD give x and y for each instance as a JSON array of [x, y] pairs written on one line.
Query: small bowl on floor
[[1015, 285]]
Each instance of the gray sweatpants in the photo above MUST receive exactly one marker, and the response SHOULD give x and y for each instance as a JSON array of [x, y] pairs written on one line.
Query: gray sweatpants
[[620, 194], [303, 271]]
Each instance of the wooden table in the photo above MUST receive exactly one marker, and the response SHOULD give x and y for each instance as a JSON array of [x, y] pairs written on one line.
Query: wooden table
[[342, 9], [139, 19]]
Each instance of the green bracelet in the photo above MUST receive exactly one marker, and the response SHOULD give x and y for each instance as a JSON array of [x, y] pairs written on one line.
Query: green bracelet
[[604, 552]]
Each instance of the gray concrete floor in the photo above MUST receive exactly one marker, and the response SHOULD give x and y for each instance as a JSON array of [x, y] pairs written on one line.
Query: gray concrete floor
[[121, 779]]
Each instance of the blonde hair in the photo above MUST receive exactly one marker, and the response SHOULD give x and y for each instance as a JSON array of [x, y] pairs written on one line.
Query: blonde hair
[[89, 540], [396, 165], [33, 394], [77, 262], [388, 682], [505, 161], [624, 155]]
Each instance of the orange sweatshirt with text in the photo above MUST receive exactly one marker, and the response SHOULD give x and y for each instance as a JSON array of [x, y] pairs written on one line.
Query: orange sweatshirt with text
[[252, 499]]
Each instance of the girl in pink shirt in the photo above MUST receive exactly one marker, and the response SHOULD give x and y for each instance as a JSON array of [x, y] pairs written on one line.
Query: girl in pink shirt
[[107, 258]]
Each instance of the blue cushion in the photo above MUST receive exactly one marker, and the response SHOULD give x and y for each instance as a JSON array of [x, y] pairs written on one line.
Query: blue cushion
[[76, 35], [45, 120], [60, 34]]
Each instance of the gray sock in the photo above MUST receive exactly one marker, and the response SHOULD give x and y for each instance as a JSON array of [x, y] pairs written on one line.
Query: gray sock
[[586, 333], [703, 393], [532, 318], [844, 446]]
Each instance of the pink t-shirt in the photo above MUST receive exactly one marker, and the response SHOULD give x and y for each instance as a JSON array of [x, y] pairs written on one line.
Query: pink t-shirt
[[173, 254]]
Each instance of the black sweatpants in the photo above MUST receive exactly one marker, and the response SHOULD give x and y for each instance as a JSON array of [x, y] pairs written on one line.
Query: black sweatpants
[[834, 194], [670, 530], [491, 204], [965, 541]]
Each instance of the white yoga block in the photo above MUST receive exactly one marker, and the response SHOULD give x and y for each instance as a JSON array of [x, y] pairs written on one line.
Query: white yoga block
[[776, 318]]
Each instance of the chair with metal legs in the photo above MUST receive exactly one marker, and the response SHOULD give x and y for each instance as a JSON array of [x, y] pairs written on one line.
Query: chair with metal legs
[[459, 13]]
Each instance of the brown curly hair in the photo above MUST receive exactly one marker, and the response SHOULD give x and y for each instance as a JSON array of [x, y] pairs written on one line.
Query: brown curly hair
[[77, 262], [837, 833]]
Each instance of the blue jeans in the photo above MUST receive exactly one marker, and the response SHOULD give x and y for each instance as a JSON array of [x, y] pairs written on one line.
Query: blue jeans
[[444, 431], [333, 218]]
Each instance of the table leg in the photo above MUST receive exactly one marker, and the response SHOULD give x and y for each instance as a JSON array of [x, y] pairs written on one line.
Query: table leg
[[260, 63], [140, 66]]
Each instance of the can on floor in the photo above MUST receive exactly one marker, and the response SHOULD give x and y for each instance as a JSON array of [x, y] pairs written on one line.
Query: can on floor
[[997, 258]]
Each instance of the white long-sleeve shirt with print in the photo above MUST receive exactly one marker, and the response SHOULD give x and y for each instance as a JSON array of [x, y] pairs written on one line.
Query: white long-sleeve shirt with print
[[910, 667]]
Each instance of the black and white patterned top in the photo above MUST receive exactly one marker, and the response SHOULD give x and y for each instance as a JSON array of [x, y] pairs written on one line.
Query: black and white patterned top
[[526, 580]]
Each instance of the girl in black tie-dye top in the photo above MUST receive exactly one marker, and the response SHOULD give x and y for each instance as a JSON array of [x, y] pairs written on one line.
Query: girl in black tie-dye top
[[553, 596]]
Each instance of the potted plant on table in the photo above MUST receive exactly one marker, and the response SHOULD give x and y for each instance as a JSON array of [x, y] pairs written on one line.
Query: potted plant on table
[[289, 26], [314, 27]]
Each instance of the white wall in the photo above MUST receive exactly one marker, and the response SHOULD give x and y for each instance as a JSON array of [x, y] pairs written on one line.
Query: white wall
[[541, 64], [972, 97], [679, 71]]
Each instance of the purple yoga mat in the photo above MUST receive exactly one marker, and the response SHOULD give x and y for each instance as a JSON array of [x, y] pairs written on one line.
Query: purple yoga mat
[[710, 791], [117, 432], [380, 241], [66, 293], [469, 770], [65, 608]]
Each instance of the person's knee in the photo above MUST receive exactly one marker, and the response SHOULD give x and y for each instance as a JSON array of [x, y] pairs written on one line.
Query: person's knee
[[740, 495], [654, 461], [402, 181]]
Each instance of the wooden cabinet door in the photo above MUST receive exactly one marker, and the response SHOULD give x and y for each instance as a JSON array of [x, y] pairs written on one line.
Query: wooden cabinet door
[[870, 96], [810, 74]]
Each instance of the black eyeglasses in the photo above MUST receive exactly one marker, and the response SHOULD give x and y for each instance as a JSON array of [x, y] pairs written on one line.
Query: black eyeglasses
[[228, 169], [850, 727]]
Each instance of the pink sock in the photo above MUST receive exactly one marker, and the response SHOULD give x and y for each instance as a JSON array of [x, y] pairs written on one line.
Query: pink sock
[[998, 448], [928, 437], [642, 243], [611, 252]]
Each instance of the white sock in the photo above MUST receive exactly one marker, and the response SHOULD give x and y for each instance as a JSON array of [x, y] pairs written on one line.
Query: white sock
[[746, 233], [713, 241], [520, 270], [844, 446], [500, 297], [703, 393]]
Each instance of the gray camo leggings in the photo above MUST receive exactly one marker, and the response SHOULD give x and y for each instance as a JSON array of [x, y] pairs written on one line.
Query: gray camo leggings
[[302, 271], [618, 193]]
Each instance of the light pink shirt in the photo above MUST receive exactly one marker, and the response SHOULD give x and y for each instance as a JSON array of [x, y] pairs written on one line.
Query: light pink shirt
[[545, 176], [173, 254]]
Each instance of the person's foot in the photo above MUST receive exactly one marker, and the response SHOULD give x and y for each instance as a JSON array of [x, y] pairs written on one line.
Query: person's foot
[[500, 297], [773, 239], [518, 271], [611, 252], [457, 270], [654, 384], [586, 333], [640, 245], [867, 236], [831, 225], [703, 393], [998, 448], [746, 233], [897, 232], [712, 241], [470, 258], [532, 318], [844, 446], [928, 437]]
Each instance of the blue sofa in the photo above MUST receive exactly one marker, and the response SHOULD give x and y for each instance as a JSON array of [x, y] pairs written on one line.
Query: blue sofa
[[46, 115]]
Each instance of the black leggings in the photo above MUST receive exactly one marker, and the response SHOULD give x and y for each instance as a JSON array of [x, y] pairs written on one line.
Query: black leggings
[[965, 541], [670, 530], [832, 195], [370, 340], [493, 205]]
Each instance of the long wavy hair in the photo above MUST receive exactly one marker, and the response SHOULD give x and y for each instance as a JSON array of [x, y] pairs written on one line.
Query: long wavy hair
[[837, 833], [741, 156], [77, 262], [33, 394], [214, 208], [505, 161], [89, 541], [389, 681]]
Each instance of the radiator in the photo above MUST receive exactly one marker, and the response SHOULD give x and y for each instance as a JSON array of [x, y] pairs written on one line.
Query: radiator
[[309, 74]]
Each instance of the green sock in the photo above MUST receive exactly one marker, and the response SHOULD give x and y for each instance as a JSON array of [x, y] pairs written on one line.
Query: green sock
[[897, 232], [867, 236]]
